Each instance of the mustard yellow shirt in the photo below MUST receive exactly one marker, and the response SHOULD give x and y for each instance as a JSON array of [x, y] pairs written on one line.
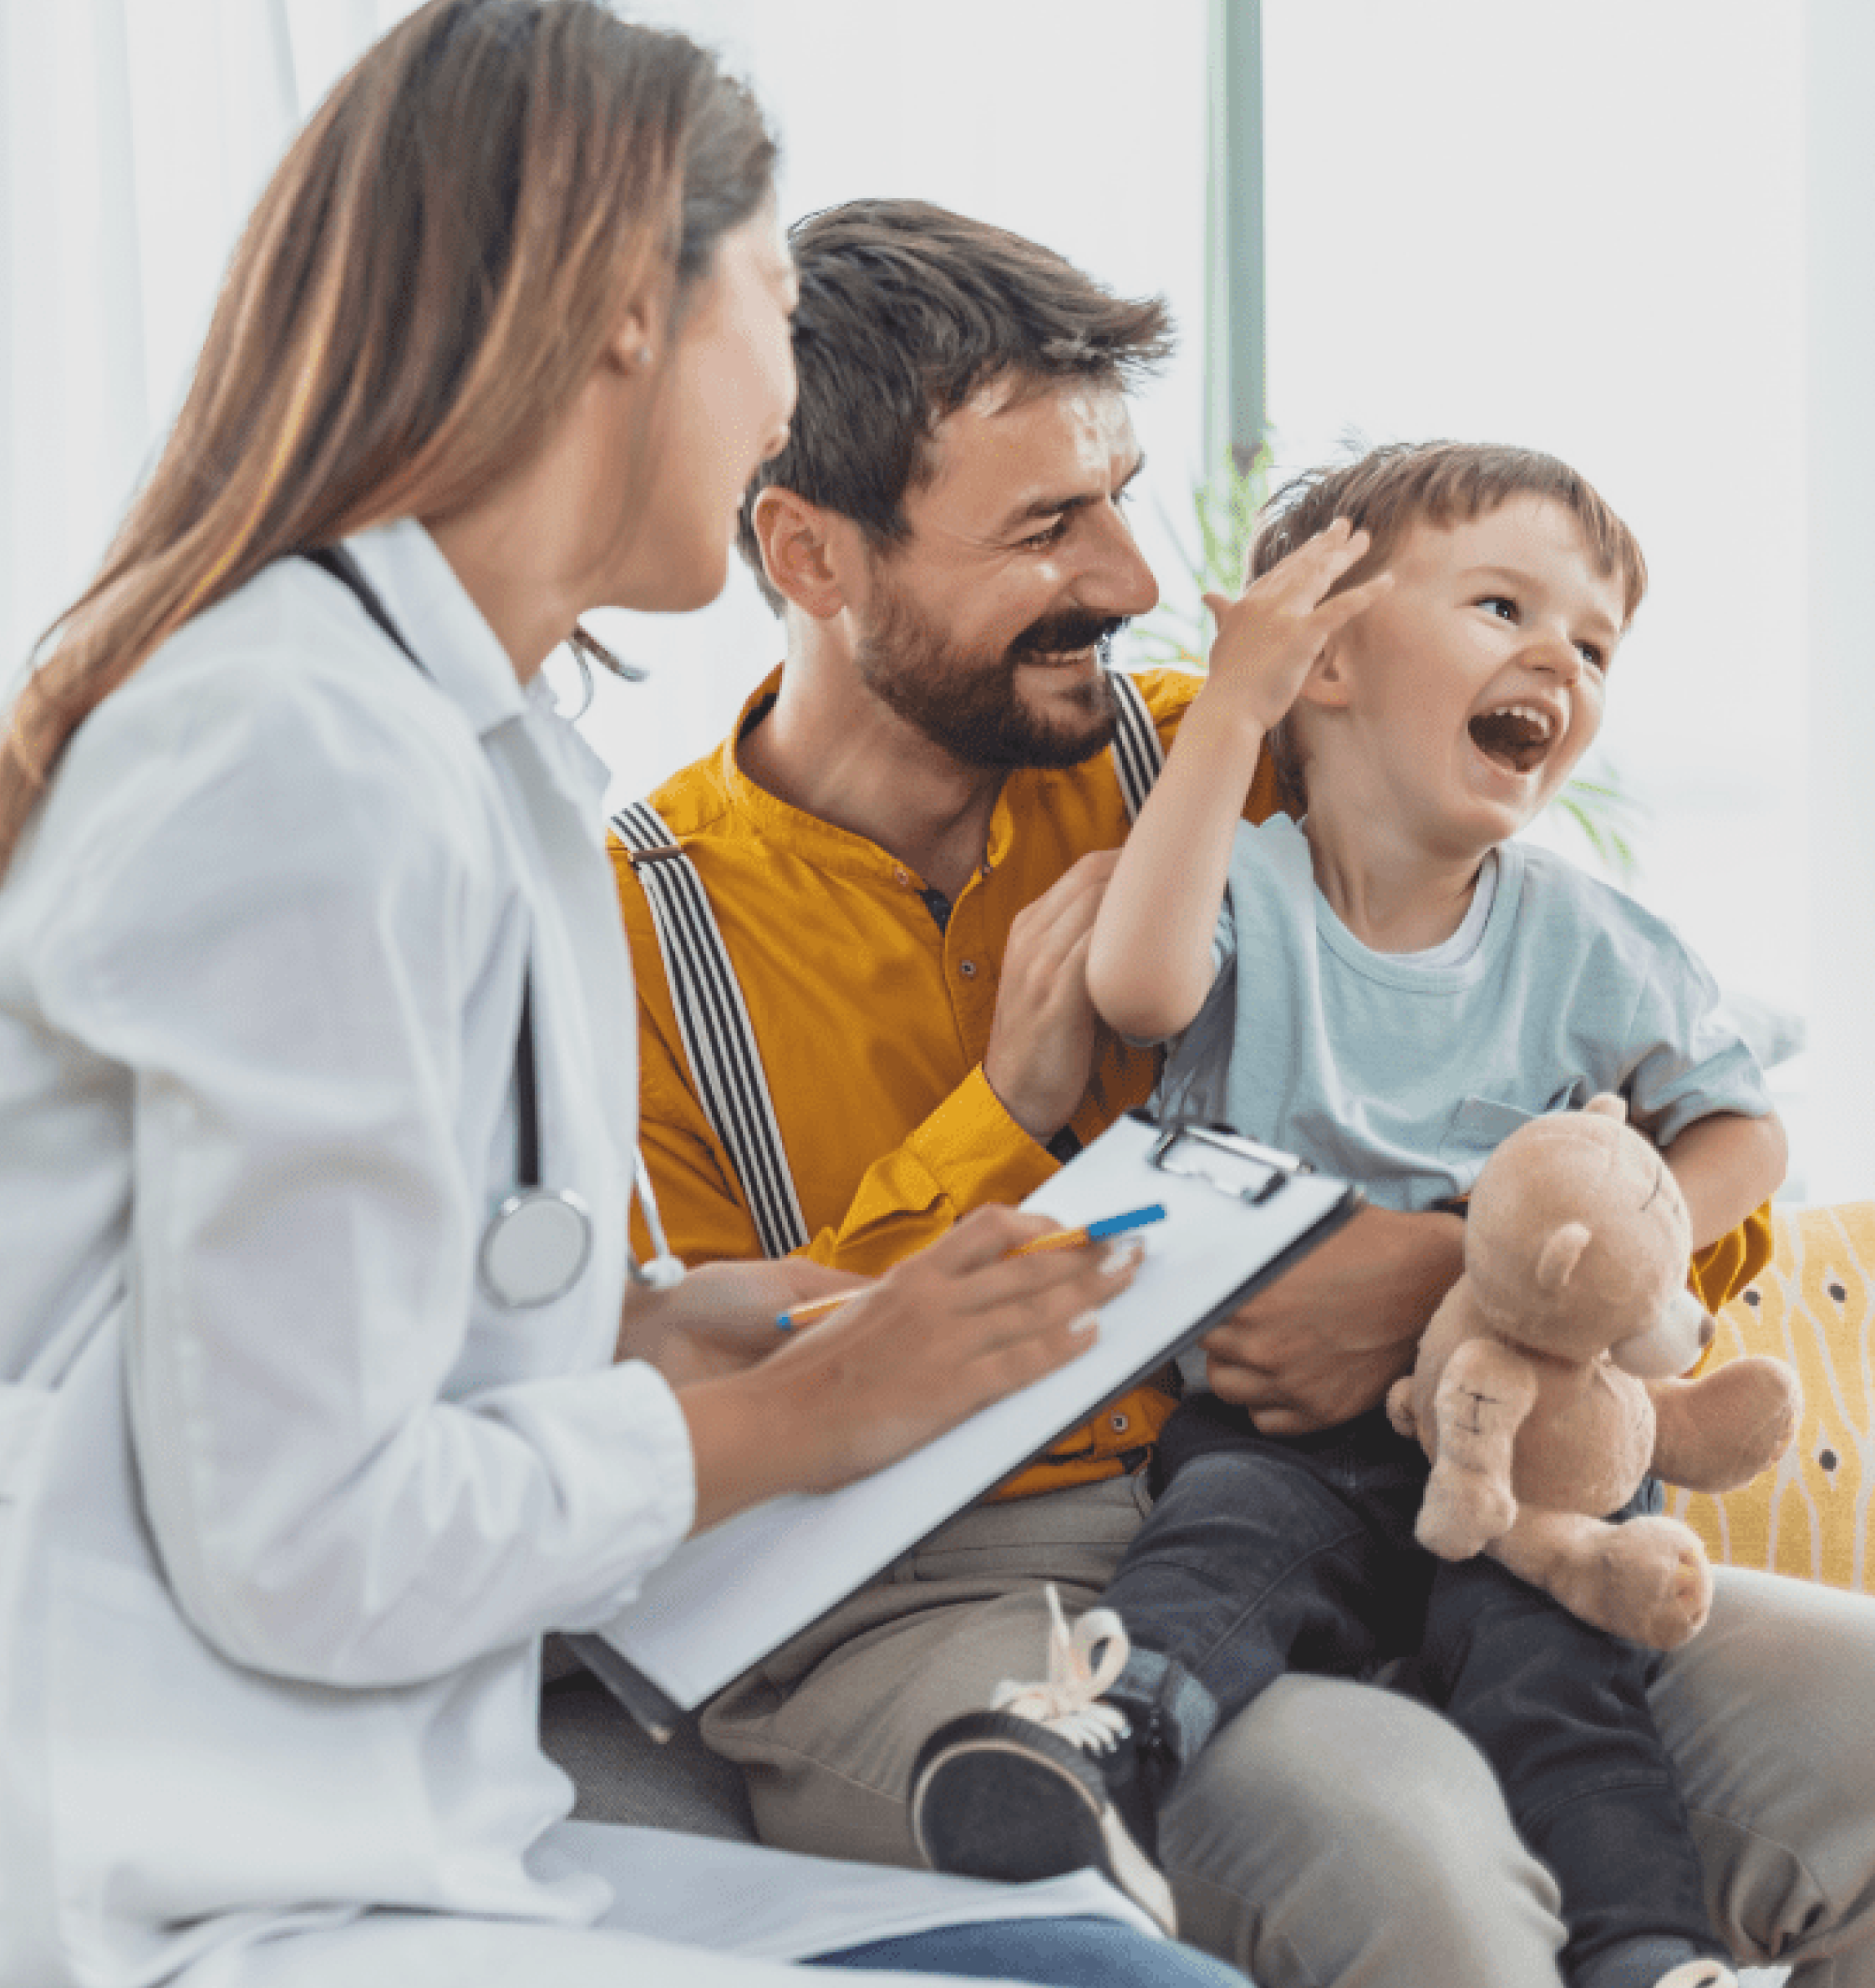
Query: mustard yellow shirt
[[872, 1023]]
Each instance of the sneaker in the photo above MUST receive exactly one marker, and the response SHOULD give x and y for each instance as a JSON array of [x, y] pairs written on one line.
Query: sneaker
[[1047, 1781]]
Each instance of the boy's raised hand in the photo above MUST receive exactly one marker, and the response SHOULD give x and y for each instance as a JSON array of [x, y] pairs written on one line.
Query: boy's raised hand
[[1269, 636]]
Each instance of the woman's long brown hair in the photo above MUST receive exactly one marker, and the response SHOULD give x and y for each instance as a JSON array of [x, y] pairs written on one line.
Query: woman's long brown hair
[[425, 285]]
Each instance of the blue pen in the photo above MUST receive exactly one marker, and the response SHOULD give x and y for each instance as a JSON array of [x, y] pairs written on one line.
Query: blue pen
[[1060, 1238]]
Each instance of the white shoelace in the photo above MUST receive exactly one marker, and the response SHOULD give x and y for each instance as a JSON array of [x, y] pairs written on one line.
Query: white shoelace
[[1069, 1702]]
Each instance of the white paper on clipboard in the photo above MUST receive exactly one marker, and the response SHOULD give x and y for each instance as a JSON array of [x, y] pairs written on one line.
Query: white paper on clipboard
[[1237, 1214]]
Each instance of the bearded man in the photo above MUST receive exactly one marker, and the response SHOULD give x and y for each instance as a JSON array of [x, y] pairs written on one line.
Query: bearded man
[[902, 844]]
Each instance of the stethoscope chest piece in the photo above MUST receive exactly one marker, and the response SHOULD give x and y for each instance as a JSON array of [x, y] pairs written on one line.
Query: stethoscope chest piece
[[534, 1247]]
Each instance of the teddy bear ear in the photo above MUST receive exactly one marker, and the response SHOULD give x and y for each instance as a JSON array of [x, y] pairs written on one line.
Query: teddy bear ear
[[1607, 1105], [1560, 1255]]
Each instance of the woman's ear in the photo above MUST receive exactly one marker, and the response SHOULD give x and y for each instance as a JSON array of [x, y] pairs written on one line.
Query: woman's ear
[[630, 348], [798, 552]]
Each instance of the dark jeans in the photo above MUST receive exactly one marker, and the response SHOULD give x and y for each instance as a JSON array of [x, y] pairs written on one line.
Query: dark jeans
[[1266, 1554], [1049, 1953]]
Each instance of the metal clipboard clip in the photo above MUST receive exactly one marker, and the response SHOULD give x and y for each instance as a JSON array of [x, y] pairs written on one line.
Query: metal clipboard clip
[[1225, 1161]]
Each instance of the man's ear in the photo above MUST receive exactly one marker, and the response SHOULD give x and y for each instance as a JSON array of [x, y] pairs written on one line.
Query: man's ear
[[797, 541]]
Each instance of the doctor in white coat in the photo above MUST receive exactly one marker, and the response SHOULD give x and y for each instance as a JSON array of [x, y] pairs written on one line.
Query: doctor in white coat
[[317, 1077]]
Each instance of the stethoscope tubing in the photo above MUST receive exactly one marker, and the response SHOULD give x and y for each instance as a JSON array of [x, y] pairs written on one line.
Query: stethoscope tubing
[[538, 1241], [662, 1270]]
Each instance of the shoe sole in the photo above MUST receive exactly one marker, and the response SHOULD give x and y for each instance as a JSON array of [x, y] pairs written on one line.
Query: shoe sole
[[994, 1795]]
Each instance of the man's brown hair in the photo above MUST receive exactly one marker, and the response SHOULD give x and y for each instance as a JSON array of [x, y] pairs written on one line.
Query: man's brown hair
[[1390, 489], [906, 310]]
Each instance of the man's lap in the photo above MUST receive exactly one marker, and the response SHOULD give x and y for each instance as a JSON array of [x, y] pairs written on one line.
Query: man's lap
[[826, 1729], [827, 1735], [1767, 1713], [1770, 1741]]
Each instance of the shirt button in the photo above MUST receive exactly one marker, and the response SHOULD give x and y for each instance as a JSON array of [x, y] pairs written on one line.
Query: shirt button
[[968, 967], [902, 879], [1119, 1424]]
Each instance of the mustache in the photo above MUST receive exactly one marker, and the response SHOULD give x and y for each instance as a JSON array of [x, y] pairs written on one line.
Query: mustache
[[1067, 634]]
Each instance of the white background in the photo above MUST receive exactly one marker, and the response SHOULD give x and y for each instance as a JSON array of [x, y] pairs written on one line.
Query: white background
[[1602, 227]]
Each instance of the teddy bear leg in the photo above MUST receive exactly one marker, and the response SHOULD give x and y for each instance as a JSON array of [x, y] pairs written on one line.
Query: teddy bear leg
[[1647, 1580], [1719, 1431]]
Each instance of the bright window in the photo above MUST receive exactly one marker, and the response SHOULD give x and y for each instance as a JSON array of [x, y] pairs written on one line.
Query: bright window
[[1580, 227]]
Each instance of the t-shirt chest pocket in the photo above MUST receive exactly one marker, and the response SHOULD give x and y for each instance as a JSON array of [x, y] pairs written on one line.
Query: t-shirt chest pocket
[[1475, 1128]]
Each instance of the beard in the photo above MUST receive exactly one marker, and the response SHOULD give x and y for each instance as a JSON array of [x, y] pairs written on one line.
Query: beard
[[966, 702]]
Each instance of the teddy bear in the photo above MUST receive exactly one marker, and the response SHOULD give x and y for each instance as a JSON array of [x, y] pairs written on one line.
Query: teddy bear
[[1546, 1384]]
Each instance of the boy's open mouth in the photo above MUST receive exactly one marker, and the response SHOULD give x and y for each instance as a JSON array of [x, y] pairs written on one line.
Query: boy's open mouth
[[1518, 736]]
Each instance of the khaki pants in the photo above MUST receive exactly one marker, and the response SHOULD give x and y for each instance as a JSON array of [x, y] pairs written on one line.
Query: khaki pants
[[1336, 1835]]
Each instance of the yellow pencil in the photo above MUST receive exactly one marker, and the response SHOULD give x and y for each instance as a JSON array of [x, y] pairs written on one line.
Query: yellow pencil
[[1061, 1239]]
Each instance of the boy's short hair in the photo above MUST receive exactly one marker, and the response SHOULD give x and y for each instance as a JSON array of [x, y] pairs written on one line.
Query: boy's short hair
[[906, 310], [1390, 489]]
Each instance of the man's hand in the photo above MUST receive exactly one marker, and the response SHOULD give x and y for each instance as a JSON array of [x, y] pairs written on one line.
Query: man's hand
[[1041, 1042], [1325, 1342]]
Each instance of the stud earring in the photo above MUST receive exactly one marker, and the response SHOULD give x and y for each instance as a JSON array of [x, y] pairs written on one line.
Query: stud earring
[[642, 357]]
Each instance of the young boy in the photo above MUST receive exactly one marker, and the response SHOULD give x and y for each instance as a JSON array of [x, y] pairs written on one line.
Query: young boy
[[1392, 984]]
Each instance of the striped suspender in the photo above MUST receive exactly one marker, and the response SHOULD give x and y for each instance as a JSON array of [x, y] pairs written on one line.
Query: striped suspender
[[731, 1084], [713, 1018], [1137, 754]]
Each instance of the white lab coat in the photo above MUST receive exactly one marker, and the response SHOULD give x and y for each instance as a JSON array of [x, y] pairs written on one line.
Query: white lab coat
[[284, 1502]]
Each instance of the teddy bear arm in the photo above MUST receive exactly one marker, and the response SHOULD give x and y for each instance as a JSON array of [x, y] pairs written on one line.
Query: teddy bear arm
[[1719, 1431], [1483, 1397], [1450, 1325], [1400, 1407]]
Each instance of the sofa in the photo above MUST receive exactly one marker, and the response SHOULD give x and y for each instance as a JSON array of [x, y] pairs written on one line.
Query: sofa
[[1814, 1304]]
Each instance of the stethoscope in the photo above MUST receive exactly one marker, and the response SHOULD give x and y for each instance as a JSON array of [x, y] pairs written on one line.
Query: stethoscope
[[536, 1244], [664, 1269]]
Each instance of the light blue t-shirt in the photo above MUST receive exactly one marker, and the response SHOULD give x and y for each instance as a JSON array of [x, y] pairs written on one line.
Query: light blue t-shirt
[[1401, 1073]]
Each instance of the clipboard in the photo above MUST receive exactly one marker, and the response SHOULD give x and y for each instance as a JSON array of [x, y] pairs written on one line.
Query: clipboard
[[1237, 1215]]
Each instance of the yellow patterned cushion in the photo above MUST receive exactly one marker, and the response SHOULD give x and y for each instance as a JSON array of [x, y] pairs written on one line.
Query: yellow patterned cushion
[[1814, 1304]]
